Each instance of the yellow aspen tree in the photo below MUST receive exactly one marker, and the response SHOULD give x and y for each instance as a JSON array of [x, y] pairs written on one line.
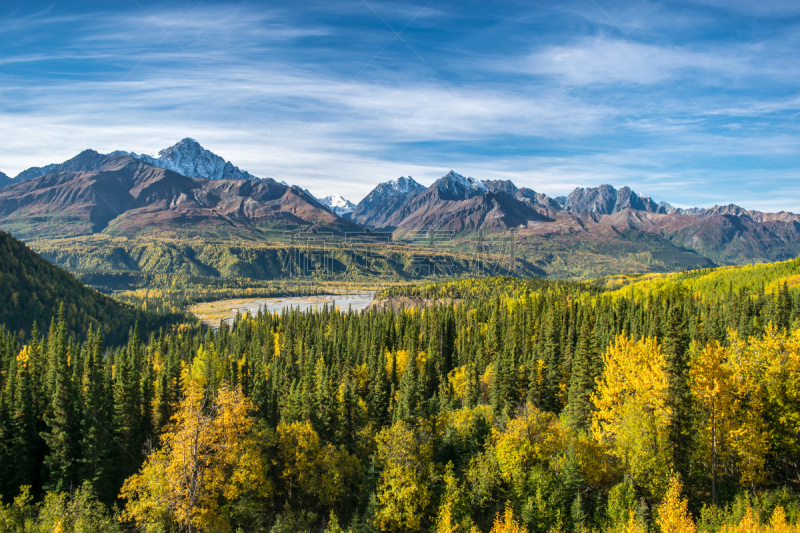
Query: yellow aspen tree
[[507, 523], [710, 382], [632, 413], [750, 434], [748, 524], [633, 525], [207, 457], [778, 523], [404, 490], [312, 470], [533, 438], [782, 378], [673, 513]]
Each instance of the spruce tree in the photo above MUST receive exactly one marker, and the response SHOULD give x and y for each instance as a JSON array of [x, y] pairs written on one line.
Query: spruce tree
[[408, 407], [96, 434], [62, 427], [127, 414], [24, 459], [675, 346], [582, 379]]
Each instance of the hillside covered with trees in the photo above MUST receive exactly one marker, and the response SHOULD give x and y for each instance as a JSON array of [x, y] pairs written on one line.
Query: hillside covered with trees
[[494, 405], [32, 289]]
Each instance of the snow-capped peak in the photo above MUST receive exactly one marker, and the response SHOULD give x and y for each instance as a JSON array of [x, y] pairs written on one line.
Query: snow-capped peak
[[454, 184], [337, 204], [402, 185], [187, 157], [405, 184]]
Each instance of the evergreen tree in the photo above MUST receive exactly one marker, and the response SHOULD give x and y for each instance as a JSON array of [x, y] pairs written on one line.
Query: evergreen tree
[[96, 433], [585, 369], [62, 427], [23, 457], [408, 405], [676, 345]]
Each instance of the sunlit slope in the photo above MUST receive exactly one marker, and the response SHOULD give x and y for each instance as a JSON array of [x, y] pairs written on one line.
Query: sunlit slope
[[715, 281]]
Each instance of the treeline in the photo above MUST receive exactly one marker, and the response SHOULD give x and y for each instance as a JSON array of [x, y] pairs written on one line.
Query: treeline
[[547, 407]]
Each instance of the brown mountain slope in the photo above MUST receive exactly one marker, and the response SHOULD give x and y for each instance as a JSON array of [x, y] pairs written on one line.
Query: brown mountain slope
[[121, 195], [456, 203]]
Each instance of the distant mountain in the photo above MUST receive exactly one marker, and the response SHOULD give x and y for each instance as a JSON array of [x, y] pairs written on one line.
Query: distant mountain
[[507, 186], [121, 195], [34, 172], [457, 203], [206, 196], [605, 200], [540, 202], [5, 180], [453, 186], [338, 205], [384, 200], [187, 157]]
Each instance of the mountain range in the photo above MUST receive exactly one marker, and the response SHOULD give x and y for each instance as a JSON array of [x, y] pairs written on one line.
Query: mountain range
[[118, 194], [187, 190]]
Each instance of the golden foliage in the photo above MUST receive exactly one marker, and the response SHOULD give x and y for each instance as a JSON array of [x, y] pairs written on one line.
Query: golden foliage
[[321, 471], [633, 525], [404, 490], [207, 456], [632, 417], [459, 379], [710, 383], [533, 438], [750, 436], [673, 513], [507, 523]]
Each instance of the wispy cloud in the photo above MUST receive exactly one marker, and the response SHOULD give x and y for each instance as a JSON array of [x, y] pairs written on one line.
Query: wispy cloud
[[325, 95]]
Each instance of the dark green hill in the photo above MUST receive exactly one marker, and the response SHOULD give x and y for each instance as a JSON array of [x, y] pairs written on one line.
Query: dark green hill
[[31, 289]]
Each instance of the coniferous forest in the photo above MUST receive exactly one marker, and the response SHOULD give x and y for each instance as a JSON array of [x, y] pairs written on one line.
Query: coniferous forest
[[497, 404]]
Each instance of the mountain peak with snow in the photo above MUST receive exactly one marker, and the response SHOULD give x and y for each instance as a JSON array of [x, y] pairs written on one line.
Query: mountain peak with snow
[[454, 186], [189, 158], [338, 204], [402, 185]]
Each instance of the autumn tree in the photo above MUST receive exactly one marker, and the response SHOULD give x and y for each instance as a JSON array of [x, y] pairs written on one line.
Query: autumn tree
[[673, 513], [632, 415], [207, 457], [312, 471], [405, 489], [750, 435], [710, 380]]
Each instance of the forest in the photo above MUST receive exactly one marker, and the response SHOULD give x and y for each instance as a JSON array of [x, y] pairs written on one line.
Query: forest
[[493, 405]]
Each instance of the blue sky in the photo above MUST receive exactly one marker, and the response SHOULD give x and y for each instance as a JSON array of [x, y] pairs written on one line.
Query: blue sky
[[695, 103]]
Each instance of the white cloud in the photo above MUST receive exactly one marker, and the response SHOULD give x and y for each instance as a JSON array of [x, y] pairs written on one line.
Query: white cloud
[[580, 113], [609, 61]]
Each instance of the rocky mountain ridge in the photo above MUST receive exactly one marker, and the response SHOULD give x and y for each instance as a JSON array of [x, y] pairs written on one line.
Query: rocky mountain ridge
[[187, 157]]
